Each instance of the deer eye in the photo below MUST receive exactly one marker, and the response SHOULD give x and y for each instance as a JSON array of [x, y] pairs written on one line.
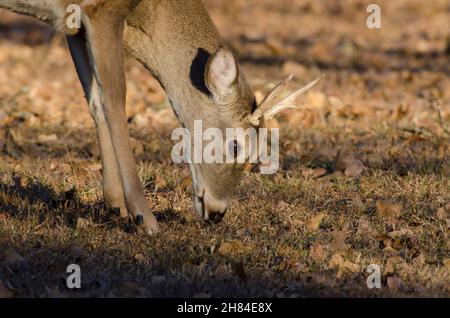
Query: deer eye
[[234, 147]]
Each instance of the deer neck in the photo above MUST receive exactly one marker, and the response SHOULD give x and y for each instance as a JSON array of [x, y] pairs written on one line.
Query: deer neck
[[174, 40]]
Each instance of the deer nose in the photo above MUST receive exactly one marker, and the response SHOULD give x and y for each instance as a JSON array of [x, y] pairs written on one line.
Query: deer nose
[[216, 217], [208, 207], [208, 210], [214, 209]]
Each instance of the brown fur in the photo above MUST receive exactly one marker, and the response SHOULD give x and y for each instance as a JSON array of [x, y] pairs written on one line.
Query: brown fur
[[175, 40]]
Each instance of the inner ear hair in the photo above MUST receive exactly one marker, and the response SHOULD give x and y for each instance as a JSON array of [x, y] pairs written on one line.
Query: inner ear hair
[[222, 74]]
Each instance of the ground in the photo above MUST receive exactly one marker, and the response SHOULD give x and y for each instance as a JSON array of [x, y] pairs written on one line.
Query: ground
[[364, 177]]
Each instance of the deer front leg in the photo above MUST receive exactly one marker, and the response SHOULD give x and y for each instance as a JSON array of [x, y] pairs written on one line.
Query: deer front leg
[[113, 193], [112, 183], [105, 47]]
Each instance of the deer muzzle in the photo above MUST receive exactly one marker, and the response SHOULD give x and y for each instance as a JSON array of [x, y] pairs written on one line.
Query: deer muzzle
[[209, 208]]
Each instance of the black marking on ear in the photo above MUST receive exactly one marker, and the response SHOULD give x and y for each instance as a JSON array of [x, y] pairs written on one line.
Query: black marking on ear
[[198, 70]]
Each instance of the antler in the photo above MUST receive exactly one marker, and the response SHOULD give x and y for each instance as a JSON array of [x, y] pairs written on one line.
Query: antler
[[269, 108]]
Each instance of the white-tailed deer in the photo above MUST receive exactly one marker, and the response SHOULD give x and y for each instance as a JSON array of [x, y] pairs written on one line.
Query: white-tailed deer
[[178, 43]]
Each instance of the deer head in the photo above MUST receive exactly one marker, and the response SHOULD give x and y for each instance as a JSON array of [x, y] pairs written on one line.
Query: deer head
[[234, 107], [204, 83]]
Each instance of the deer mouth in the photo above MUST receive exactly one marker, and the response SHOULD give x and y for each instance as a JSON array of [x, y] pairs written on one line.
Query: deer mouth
[[204, 213], [207, 207]]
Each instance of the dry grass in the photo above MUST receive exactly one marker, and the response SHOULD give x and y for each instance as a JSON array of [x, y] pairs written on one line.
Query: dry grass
[[309, 230]]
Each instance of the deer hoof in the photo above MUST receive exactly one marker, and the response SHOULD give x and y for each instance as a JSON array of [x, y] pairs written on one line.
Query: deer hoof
[[139, 220], [114, 211]]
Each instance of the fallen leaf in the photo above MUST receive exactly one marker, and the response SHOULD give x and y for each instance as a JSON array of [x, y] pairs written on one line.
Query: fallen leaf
[[317, 253], [392, 264], [446, 262], [300, 268], [418, 261], [443, 213], [313, 224], [140, 258], [358, 204], [65, 168], [338, 242], [447, 207], [402, 232], [394, 282], [21, 180], [289, 257], [309, 173], [374, 159], [141, 121], [386, 209], [390, 245], [365, 228], [83, 223], [349, 163], [337, 261], [232, 248], [297, 222], [390, 251], [5, 292]]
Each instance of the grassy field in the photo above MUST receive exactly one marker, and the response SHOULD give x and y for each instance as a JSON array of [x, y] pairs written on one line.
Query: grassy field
[[364, 177]]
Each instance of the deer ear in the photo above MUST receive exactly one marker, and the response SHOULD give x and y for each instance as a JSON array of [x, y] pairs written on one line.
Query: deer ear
[[222, 75]]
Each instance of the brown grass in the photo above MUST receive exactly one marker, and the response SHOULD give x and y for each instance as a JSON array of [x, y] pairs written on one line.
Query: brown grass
[[384, 102]]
